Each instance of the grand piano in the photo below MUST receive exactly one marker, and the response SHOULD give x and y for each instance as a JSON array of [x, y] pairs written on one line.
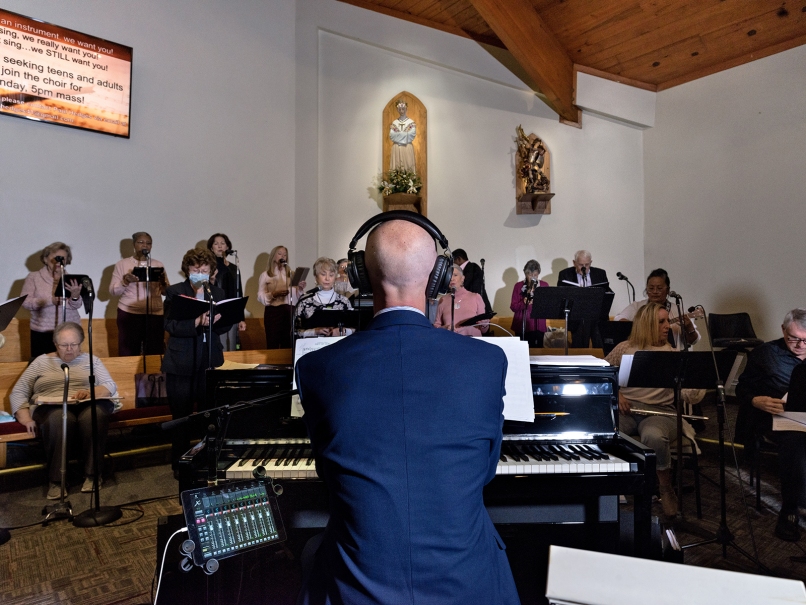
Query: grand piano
[[563, 473]]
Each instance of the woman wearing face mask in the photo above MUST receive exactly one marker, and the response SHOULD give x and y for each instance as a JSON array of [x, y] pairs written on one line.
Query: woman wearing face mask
[[139, 310], [226, 278], [44, 303], [657, 291], [186, 355], [325, 297]]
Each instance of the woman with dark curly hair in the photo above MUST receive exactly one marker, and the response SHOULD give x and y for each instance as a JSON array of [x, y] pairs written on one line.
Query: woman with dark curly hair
[[187, 353]]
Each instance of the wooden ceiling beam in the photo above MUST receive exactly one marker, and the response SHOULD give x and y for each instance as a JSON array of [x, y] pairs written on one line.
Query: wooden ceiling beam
[[533, 45], [445, 27]]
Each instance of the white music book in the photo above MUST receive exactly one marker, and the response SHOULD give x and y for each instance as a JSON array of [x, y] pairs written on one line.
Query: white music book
[[568, 360], [303, 347], [619, 580], [519, 401], [789, 421]]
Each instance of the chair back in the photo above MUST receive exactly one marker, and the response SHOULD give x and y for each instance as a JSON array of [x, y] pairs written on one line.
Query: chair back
[[733, 330]]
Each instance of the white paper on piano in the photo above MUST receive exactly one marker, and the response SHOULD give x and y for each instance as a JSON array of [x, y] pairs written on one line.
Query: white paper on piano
[[567, 360], [303, 347], [789, 421], [619, 580], [519, 402]]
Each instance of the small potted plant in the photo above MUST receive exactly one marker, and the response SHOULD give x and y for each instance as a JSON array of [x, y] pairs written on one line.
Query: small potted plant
[[400, 188]]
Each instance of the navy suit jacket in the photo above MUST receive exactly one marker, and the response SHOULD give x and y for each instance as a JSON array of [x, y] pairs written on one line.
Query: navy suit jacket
[[405, 443]]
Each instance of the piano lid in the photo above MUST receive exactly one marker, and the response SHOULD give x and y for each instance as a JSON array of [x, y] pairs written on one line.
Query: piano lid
[[570, 404]]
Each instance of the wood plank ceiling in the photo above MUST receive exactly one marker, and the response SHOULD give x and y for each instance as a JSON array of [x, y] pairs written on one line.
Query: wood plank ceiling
[[653, 44]]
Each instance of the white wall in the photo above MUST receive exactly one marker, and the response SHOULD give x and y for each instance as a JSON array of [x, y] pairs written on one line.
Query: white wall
[[725, 189], [211, 148], [474, 104]]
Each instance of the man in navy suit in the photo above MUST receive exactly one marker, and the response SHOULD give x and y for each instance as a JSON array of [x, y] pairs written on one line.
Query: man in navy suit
[[405, 444]]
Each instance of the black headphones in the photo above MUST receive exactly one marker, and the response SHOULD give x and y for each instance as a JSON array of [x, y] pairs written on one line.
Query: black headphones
[[440, 278]]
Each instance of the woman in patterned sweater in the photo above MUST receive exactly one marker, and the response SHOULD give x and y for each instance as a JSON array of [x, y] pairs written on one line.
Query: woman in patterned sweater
[[325, 297]]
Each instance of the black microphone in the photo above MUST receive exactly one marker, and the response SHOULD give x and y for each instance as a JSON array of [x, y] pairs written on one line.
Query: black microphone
[[692, 309], [283, 262], [87, 283], [206, 286], [482, 264], [621, 276], [60, 260], [145, 252], [674, 294], [231, 252], [65, 368]]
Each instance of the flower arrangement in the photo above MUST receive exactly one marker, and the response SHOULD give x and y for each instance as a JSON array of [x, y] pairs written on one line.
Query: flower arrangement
[[399, 180]]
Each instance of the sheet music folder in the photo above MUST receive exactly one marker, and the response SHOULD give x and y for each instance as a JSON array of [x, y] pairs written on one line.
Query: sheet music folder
[[659, 369], [9, 309], [231, 309]]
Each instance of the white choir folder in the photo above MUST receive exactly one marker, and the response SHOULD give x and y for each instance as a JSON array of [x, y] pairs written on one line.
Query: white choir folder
[[617, 580]]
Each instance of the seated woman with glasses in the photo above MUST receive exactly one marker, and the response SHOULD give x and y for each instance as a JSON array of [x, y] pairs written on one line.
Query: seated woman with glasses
[[657, 291], [187, 354], [44, 378], [465, 305]]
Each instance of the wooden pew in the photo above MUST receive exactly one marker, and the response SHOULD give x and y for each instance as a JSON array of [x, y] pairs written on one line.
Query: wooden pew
[[122, 370]]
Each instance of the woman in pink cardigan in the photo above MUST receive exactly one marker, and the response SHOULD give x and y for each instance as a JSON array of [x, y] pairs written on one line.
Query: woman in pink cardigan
[[44, 303]]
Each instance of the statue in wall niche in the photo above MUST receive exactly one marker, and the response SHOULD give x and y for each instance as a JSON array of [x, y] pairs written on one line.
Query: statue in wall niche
[[402, 132], [532, 169], [531, 159]]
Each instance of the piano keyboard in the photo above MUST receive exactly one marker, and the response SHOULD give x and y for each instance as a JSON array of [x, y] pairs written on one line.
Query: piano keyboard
[[543, 458], [282, 459]]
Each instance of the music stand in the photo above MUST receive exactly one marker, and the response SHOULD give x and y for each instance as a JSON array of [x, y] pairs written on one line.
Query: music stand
[[612, 333], [567, 303], [9, 309], [331, 318], [690, 370]]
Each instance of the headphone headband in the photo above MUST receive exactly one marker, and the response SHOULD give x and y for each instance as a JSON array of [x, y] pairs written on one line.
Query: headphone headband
[[401, 215]]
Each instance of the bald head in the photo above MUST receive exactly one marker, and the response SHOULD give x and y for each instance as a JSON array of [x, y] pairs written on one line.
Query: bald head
[[399, 257]]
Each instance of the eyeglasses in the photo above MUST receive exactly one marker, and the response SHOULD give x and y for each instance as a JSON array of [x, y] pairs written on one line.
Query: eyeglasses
[[796, 341], [68, 346]]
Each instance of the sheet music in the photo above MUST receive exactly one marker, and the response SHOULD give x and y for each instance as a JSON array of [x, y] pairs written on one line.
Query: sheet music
[[789, 421], [624, 370], [303, 347], [518, 401]]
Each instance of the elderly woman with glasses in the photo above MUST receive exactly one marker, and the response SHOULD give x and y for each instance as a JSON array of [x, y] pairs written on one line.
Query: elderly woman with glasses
[[43, 382]]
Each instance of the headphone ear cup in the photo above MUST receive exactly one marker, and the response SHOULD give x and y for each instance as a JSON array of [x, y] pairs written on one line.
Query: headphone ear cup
[[357, 272], [440, 278]]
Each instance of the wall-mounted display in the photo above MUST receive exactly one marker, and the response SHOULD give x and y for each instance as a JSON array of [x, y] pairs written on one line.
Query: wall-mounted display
[[60, 76]]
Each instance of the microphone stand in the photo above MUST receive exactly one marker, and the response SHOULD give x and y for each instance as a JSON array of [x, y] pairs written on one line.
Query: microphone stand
[[678, 399], [211, 315], [530, 293], [238, 294], [453, 308], [61, 510], [723, 535], [64, 293], [148, 306], [107, 514]]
